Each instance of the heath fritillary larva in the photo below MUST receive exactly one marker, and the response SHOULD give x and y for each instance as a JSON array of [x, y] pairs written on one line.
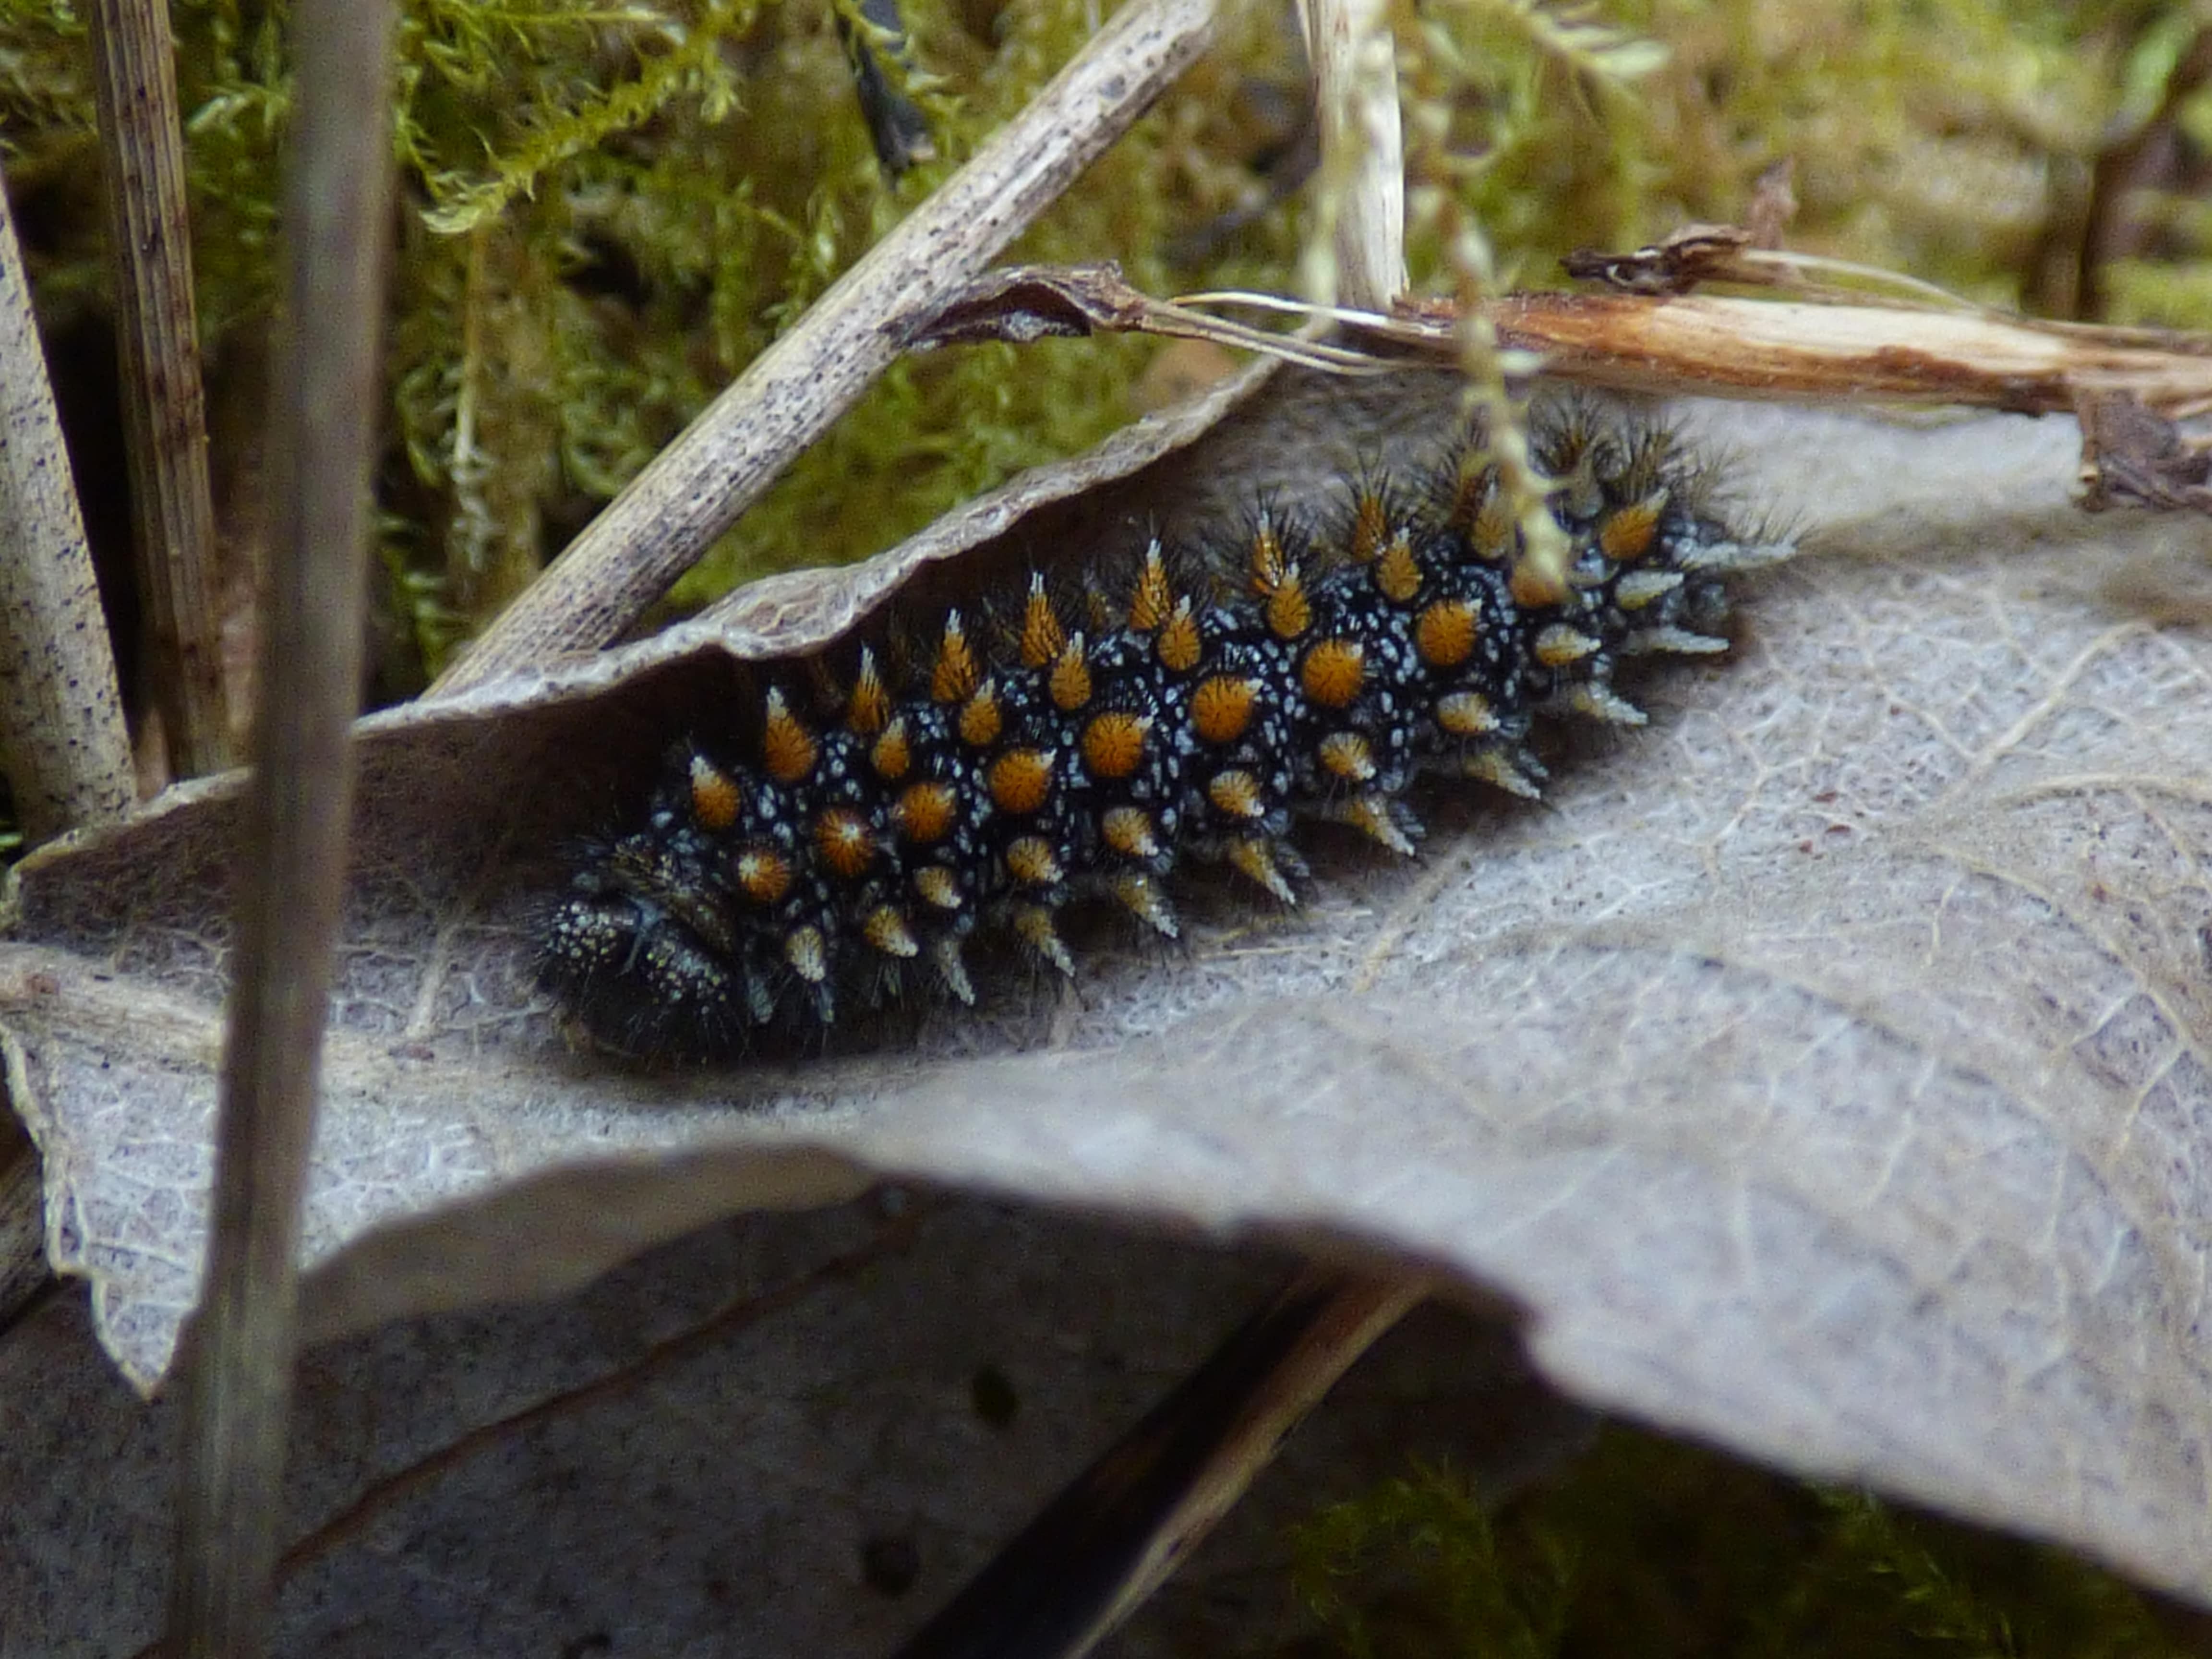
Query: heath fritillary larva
[[1050, 750]]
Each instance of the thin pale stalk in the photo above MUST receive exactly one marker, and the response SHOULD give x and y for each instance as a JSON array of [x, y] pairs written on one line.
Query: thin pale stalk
[[696, 487], [1114, 1536], [337, 214], [1354, 65], [23, 1275], [1784, 349], [62, 745], [164, 406], [1725, 347]]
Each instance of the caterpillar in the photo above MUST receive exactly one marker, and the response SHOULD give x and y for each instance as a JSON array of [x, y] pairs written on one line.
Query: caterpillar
[[1074, 745]]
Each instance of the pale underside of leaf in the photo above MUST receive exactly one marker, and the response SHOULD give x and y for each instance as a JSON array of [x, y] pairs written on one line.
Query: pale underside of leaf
[[1820, 1070]]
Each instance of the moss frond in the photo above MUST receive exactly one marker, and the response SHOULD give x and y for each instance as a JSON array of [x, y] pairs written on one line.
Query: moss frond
[[565, 115], [1578, 38], [1416, 1565]]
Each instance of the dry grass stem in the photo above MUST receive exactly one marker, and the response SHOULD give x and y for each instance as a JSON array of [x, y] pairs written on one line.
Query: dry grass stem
[[1785, 349], [1782, 350], [1114, 1534], [1023, 303], [165, 408], [696, 486], [23, 1274], [62, 745], [322, 422], [1363, 164]]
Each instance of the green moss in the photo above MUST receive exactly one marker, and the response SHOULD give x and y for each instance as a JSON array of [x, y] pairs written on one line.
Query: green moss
[[610, 207], [1647, 1548], [1416, 1566]]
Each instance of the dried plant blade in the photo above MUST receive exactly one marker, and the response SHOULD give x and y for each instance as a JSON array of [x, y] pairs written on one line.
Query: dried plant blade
[[1810, 353], [1362, 183], [164, 407], [1021, 304], [1113, 1536], [1665, 346], [295, 827], [62, 742], [898, 128], [23, 1275]]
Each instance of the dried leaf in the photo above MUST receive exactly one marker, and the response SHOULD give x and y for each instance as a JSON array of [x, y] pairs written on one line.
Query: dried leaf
[[1821, 1069], [780, 1435], [1677, 264], [2136, 455]]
